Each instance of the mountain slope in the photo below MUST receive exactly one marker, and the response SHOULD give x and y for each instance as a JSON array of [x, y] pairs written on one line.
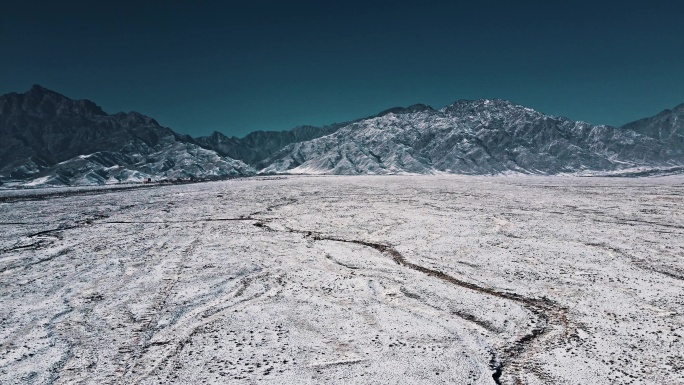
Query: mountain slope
[[58, 140], [259, 145], [472, 137], [667, 126]]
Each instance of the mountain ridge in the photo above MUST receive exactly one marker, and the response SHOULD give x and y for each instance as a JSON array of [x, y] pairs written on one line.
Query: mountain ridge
[[666, 125], [48, 138], [485, 136]]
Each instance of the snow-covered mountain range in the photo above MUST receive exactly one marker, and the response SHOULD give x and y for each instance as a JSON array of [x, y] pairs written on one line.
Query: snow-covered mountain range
[[49, 139], [483, 137]]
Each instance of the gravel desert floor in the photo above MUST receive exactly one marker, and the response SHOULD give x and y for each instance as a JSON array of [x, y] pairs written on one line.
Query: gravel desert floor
[[327, 280]]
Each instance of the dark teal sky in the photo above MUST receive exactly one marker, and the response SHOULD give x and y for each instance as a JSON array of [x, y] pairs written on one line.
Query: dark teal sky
[[242, 66]]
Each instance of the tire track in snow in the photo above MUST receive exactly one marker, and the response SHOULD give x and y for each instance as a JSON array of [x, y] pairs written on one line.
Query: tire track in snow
[[148, 329]]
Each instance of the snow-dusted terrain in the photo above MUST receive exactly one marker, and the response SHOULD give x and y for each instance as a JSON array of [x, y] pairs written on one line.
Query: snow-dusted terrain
[[370, 280]]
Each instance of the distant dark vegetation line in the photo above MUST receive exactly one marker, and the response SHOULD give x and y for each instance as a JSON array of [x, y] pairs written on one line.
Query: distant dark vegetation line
[[62, 194]]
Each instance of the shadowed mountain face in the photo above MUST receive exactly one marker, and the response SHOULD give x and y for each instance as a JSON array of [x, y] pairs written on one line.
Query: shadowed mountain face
[[49, 139], [259, 145], [667, 126], [475, 137], [45, 134]]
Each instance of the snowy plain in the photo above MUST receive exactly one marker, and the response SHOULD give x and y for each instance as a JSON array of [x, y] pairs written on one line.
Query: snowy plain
[[365, 279]]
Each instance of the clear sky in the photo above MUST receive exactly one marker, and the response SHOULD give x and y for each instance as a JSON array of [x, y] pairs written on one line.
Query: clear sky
[[240, 66]]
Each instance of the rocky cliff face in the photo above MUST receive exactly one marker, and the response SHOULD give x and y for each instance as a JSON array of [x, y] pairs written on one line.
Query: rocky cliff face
[[48, 138], [474, 137]]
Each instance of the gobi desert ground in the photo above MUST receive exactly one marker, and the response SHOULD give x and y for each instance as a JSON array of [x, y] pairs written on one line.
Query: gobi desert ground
[[365, 280]]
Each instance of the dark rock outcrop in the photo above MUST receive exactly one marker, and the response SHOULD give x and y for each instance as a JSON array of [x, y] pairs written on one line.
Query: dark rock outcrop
[[49, 136]]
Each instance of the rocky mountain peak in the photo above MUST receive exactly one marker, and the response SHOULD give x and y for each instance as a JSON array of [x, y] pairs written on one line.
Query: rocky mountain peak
[[667, 126], [37, 89], [45, 103], [52, 139], [466, 106], [405, 110]]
